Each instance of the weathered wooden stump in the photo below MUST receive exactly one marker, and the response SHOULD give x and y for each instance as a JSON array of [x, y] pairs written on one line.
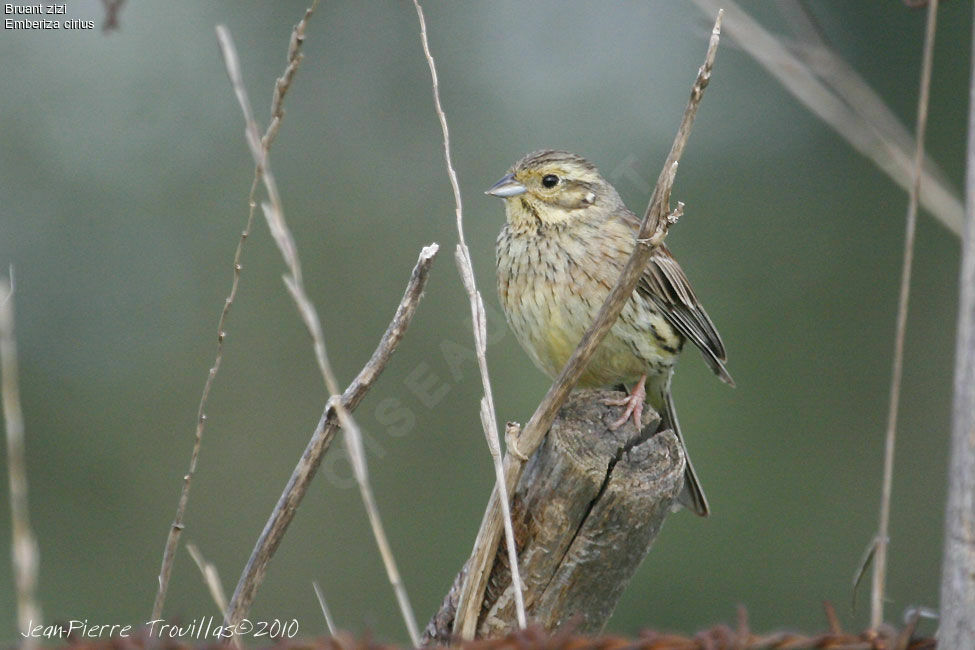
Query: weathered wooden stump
[[585, 513]]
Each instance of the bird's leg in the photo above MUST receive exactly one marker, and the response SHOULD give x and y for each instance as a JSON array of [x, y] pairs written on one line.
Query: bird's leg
[[633, 404]]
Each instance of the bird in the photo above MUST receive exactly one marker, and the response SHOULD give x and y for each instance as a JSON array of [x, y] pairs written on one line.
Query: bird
[[566, 239]]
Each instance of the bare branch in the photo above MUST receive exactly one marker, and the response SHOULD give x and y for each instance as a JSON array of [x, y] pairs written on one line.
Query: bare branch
[[267, 542], [321, 603], [845, 102], [880, 561], [653, 229], [957, 628], [277, 113], [489, 419], [321, 439], [274, 215], [24, 552], [812, 49], [210, 577]]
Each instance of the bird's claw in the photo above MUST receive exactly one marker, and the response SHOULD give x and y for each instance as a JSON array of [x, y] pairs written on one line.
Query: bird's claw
[[634, 406]]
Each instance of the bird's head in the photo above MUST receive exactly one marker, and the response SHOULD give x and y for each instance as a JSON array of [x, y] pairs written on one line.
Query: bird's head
[[553, 188]]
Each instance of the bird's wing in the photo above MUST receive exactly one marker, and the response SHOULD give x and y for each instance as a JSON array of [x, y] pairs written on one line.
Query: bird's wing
[[665, 284]]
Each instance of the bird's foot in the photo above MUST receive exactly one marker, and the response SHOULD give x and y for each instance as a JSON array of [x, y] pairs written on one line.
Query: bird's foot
[[633, 403]]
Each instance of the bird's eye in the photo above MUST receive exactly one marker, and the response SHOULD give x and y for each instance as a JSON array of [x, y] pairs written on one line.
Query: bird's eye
[[550, 180]]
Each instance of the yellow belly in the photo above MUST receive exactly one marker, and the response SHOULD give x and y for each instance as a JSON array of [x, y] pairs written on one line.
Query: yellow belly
[[550, 305]]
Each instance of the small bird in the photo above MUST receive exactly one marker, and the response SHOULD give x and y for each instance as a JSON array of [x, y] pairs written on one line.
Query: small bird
[[567, 238]]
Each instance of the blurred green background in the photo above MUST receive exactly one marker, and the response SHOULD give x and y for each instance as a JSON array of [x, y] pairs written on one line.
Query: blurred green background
[[125, 178]]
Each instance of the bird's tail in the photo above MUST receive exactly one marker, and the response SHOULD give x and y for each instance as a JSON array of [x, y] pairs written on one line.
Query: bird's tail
[[691, 495]]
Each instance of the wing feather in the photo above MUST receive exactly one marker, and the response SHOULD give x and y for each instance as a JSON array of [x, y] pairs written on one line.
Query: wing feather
[[665, 284]]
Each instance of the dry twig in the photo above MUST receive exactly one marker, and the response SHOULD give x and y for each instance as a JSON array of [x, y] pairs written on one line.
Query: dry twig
[[829, 88], [957, 629], [873, 113], [212, 579], [320, 441], [489, 420], [274, 214], [880, 561], [24, 553], [653, 229], [210, 576], [277, 113], [308, 465], [324, 607]]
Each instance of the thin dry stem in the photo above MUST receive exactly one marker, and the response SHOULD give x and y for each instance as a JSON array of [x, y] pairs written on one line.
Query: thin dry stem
[[329, 623], [212, 580], [864, 565], [653, 229], [812, 49], [489, 420], [277, 113], [24, 552], [280, 518], [843, 100], [210, 576], [957, 625], [176, 529], [880, 561], [274, 214], [369, 501]]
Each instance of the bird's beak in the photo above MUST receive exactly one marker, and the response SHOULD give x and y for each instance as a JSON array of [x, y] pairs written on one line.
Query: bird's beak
[[507, 187]]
